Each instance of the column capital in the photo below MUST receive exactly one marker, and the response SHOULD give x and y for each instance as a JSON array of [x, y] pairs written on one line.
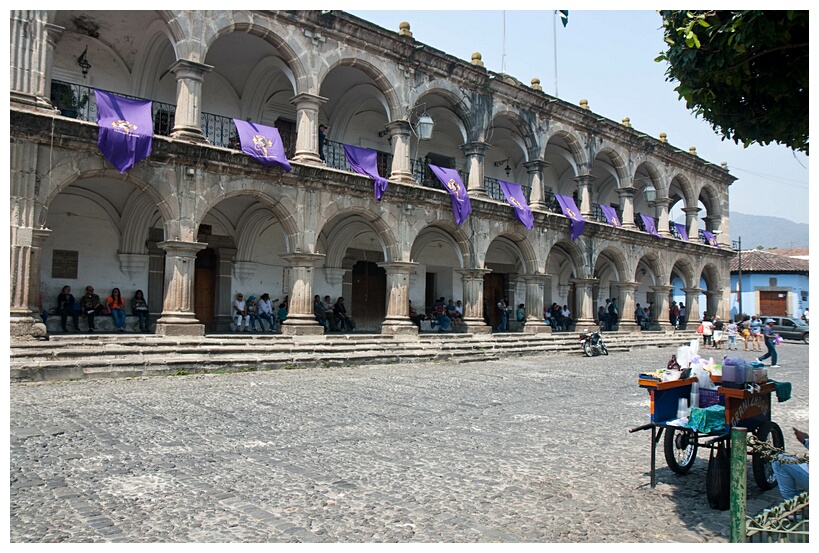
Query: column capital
[[299, 259], [584, 179], [630, 285], [473, 273], [691, 210], [662, 288], [662, 202], [713, 293], [399, 126], [626, 191], [690, 291], [536, 165], [398, 267], [475, 148], [182, 248], [307, 98], [187, 69], [584, 281]]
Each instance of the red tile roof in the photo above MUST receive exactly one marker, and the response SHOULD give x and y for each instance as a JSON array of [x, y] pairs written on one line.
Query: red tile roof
[[765, 261], [791, 252]]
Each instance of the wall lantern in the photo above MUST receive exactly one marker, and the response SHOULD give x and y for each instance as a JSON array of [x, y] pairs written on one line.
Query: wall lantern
[[507, 168], [650, 192], [82, 61], [424, 126]]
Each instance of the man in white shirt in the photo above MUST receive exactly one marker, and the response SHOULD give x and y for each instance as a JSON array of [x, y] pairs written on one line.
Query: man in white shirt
[[793, 479], [240, 312], [265, 312]]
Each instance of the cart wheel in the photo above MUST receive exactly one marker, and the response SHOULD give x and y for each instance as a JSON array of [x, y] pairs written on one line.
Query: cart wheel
[[763, 469], [604, 349], [680, 449], [587, 349]]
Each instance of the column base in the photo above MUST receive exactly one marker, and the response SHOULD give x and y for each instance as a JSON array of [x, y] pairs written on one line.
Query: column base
[[301, 325], [399, 328], [663, 327], [536, 327], [582, 324], [190, 135], [26, 327], [311, 158], [402, 177], [478, 194], [541, 205], [476, 327], [629, 327], [179, 329]]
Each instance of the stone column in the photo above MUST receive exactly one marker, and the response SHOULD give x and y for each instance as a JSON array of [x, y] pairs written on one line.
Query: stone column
[[661, 212], [659, 316], [473, 300], [584, 189], [397, 320], [474, 152], [627, 306], [300, 318], [691, 223], [178, 318], [584, 293], [188, 116], [400, 134], [535, 170], [31, 36], [534, 305], [25, 297], [627, 203], [713, 303], [223, 314], [156, 272], [54, 34], [307, 111], [692, 305]]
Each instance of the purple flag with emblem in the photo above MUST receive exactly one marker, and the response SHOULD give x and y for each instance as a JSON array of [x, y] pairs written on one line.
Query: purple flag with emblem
[[364, 161], [514, 195], [452, 182], [710, 239], [126, 129], [651, 227], [576, 221], [263, 143], [611, 215], [681, 231]]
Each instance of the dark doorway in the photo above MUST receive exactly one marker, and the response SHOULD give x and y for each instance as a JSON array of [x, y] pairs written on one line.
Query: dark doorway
[[204, 289], [368, 306], [429, 296], [493, 291]]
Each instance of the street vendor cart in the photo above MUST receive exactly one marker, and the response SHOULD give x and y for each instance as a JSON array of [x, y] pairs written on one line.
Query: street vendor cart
[[747, 407]]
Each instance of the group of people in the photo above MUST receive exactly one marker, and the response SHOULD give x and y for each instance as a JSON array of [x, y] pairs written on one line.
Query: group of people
[[751, 329], [247, 313], [608, 316], [445, 314], [90, 306], [559, 318], [332, 316]]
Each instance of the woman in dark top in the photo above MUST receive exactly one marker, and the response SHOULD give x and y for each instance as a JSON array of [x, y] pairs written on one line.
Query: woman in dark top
[[139, 307], [65, 307]]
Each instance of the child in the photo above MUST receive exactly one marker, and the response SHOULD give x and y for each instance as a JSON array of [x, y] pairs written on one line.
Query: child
[[731, 330]]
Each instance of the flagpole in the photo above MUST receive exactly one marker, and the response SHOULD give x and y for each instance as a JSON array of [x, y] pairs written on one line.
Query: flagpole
[[503, 51], [554, 31]]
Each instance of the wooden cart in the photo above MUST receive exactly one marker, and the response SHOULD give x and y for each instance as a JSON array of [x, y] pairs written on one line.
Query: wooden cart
[[743, 408]]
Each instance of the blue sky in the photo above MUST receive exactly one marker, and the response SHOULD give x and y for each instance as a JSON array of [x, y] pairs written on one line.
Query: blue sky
[[607, 57]]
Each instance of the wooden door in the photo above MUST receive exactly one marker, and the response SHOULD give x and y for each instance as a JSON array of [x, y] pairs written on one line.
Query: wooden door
[[368, 306], [493, 292], [204, 288], [773, 303]]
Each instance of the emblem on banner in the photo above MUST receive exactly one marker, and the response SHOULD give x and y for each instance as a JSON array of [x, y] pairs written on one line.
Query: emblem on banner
[[514, 201], [453, 185], [123, 126], [261, 142]]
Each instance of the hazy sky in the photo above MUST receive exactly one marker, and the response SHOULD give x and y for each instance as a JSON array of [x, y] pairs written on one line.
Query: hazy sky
[[607, 57]]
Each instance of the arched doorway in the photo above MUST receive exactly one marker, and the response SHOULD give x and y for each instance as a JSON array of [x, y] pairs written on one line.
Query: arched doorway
[[368, 305]]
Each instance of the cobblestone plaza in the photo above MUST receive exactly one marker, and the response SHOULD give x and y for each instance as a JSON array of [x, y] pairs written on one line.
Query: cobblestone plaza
[[527, 449]]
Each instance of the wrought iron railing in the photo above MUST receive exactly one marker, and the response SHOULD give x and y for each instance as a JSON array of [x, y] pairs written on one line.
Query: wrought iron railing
[[597, 214], [551, 203], [335, 157], [787, 522], [674, 232], [494, 191]]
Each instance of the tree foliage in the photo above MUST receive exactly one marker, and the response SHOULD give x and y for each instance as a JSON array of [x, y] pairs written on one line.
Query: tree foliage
[[745, 72]]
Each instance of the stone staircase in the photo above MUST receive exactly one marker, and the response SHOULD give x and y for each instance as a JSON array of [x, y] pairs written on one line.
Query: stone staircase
[[75, 356]]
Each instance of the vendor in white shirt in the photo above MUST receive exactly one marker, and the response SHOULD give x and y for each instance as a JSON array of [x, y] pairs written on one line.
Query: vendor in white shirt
[[793, 479]]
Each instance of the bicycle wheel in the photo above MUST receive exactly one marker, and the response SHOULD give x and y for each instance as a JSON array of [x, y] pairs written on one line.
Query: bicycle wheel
[[762, 467], [680, 449]]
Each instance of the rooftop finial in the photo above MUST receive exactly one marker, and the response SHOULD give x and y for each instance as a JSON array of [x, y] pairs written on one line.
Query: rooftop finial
[[404, 29]]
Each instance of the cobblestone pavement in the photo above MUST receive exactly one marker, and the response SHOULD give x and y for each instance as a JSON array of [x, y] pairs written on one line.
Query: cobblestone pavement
[[529, 449]]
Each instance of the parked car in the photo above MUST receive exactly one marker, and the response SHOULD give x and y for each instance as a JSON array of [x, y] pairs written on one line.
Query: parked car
[[789, 328]]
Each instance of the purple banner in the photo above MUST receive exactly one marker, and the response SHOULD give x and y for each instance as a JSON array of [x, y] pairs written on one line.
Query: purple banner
[[681, 231], [576, 221], [651, 227], [262, 143], [365, 162], [611, 215], [514, 195], [126, 129], [710, 239], [460, 199]]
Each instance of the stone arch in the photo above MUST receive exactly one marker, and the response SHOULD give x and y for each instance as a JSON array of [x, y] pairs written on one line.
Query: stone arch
[[683, 267], [460, 240], [686, 188], [615, 258], [344, 225], [137, 216], [147, 68], [370, 67], [710, 199], [230, 23], [525, 251], [574, 145], [572, 253], [435, 233], [712, 277], [254, 190], [249, 228]]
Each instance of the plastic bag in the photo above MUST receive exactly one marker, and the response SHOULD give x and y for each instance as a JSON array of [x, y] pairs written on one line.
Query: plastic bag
[[718, 478], [703, 376]]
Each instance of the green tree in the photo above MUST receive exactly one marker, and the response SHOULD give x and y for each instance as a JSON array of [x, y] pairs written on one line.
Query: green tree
[[745, 72]]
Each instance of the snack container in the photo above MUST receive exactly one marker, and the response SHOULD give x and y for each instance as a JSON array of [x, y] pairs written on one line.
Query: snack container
[[760, 376]]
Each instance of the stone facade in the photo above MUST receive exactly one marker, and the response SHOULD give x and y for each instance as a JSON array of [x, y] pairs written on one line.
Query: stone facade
[[199, 221]]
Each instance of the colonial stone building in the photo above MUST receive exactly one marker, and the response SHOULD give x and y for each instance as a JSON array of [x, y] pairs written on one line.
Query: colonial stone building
[[199, 221]]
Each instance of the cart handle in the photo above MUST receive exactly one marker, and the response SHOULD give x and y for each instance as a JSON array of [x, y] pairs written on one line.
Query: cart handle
[[643, 427], [717, 439]]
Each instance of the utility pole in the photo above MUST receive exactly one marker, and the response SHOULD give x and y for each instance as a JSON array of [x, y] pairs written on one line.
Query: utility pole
[[739, 276]]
